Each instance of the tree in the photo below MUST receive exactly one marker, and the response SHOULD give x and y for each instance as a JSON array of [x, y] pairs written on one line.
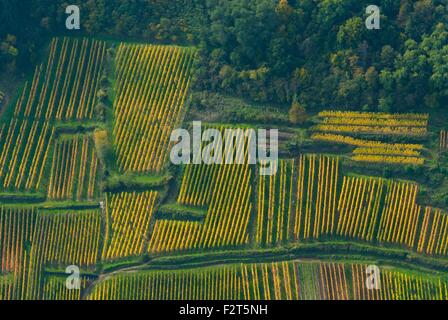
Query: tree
[[435, 47], [100, 110], [284, 10], [351, 33], [385, 104], [404, 12], [297, 113], [387, 56], [101, 94]]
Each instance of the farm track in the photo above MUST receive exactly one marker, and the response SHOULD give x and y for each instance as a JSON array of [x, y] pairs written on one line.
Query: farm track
[[142, 120]]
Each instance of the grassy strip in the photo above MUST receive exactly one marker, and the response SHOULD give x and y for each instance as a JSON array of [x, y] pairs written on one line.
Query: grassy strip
[[174, 211], [328, 250], [69, 205], [74, 127], [58, 272], [18, 197], [126, 182]]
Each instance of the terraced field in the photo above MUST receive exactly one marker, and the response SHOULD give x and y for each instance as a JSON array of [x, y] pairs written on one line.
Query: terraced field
[[85, 181]]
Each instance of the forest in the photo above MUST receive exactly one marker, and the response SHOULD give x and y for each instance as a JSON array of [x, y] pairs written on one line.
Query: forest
[[317, 53]]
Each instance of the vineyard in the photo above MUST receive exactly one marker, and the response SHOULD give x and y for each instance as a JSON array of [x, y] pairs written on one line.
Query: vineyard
[[74, 170], [86, 182], [128, 216], [358, 215], [151, 91], [433, 237], [61, 89], [33, 238], [226, 190], [351, 127], [270, 281], [68, 238], [55, 289], [309, 200]]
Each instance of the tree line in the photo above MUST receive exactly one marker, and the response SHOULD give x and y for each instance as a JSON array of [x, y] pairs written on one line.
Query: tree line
[[318, 54]]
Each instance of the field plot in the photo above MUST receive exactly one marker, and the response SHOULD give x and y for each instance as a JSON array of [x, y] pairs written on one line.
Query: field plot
[[16, 229], [213, 283], [346, 127], [400, 216], [22, 162], [22, 284], [32, 239], [62, 89], [151, 91], [310, 200], [274, 214], [55, 288], [299, 202], [74, 170], [373, 123], [359, 207], [433, 238], [397, 285], [227, 191], [128, 216], [291, 280], [67, 238]]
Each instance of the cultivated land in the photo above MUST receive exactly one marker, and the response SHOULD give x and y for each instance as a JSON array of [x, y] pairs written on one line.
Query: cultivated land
[[85, 180]]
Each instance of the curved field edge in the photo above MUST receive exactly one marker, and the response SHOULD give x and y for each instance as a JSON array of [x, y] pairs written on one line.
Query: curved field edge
[[320, 251], [301, 279]]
